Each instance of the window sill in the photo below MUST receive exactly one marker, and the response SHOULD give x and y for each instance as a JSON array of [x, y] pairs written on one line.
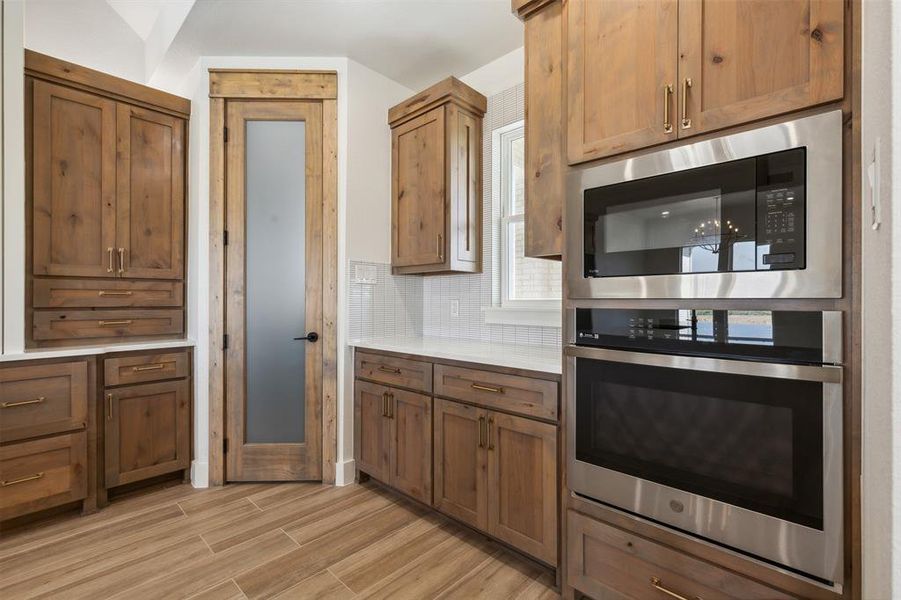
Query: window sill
[[531, 316]]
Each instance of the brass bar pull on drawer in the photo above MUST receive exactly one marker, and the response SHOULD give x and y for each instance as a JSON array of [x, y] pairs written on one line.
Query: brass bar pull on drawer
[[667, 96], [656, 583], [113, 292], [22, 402], [22, 479], [393, 370], [487, 388], [686, 85], [156, 367], [114, 323]]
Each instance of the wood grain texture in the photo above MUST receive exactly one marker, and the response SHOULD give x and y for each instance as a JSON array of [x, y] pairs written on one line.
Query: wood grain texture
[[464, 133], [396, 372], [144, 368], [372, 429], [281, 84], [536, 398], [446, 90], [79, 325], [117, 293], [329, 338], [410, 452], [43, 399], [217, 292], [460, 471]]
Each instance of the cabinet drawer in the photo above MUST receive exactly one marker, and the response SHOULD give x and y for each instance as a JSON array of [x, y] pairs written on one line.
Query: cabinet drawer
[[42, 399], [390, 370], [513, 393], [42, 473], [85, 324], [144, 368], [605, 561], [94, 293]]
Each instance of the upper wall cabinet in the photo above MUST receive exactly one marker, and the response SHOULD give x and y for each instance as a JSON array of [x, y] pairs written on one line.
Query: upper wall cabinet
[[436, 166], [643, 72]]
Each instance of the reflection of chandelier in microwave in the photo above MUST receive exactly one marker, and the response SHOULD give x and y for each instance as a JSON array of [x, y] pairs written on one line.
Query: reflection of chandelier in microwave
[[712, 235]]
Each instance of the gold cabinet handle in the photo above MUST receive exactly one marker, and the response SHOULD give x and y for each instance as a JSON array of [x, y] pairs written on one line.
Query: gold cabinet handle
[[121, 260], [109, 407], [390, 405], [490, 427], [686, 85], [658, 585], [389, 370], [23, 402], [109, 269], [667, 96], [384, 404], [22, 479], [440, 247], [113, 292], [487, 388], [156, 367], [114, 323], [481, 430]]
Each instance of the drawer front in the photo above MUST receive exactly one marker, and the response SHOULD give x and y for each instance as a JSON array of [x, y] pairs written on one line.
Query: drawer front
[[91, 293], [512, 393], [146, 367], [42, 473], [86, 324], [605, 561], [39, 400], [413, 374]]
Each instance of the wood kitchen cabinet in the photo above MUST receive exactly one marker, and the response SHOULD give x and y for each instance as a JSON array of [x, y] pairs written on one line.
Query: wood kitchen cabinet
[[644, 72], [461, 484], [436, 147]]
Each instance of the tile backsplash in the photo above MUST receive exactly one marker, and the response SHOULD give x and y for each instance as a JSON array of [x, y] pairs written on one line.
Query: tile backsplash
[[448, 306]]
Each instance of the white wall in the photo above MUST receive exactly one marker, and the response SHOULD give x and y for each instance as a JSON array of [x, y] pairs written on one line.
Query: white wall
[[881, 135], [500, 74]]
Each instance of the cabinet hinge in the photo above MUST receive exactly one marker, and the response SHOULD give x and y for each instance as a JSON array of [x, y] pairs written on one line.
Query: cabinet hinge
[[225, 237], [225, 134], [225, 341], [225, 445]]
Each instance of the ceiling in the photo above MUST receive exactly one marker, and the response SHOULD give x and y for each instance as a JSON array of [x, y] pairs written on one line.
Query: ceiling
[[414, 42]]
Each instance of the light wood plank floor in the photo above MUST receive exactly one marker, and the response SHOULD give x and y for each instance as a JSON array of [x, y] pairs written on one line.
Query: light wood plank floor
[[252, 541]]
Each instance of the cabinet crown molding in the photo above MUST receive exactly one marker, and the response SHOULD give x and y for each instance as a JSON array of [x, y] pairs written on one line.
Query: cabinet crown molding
[[450, 90]]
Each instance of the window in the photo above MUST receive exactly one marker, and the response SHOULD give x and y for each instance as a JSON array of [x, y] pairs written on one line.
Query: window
[[526, 284]]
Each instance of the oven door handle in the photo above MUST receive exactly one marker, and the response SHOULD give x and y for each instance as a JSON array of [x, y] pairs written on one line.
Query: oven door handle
[[823, 374]]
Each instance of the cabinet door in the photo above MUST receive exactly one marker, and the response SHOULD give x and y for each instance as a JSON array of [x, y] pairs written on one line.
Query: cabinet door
[[371, 429], [147, 431], [621, 55], [460, 462], [73, 182], [418, 191], [545, 169], [522, 484], [757, 58], [466, 189], [410, 456], [151, 194]]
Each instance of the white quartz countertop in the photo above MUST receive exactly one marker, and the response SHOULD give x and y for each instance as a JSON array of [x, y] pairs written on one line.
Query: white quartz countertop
[[90, 350], [544, 359]]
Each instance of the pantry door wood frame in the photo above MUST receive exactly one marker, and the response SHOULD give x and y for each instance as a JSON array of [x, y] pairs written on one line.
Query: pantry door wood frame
[[268, 84]]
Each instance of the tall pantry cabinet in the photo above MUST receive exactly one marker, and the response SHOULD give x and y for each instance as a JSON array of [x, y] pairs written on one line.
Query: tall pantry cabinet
[[105, 185]]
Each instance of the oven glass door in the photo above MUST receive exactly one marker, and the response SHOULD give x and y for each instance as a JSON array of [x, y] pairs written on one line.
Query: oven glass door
[[750, 441]]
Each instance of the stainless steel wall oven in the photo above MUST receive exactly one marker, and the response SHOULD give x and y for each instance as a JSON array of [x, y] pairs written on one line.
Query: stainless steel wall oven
[[723, 424]]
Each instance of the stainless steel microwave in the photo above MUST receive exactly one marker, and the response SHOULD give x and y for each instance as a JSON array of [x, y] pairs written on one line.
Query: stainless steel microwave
[[755, 214]]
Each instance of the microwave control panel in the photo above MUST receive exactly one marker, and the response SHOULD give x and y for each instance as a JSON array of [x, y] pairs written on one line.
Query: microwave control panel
[[780, 211]]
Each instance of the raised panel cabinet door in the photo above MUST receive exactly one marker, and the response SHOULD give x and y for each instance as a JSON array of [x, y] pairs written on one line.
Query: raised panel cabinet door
[[418, 206], [151, 194], [545, 170], [73, 163], [522, 484], [410, 456], [621, 66], [371, 429], [460, 462], [757, 58], [147, 430]]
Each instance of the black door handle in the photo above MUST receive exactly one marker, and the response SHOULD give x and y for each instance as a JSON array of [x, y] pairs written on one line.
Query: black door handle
[[310, 337]]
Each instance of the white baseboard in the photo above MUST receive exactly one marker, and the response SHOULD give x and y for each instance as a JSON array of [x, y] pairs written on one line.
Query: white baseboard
[[345, 472], [200, 474]]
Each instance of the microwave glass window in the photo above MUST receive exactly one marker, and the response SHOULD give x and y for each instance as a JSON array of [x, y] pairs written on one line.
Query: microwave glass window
[[754, 442]]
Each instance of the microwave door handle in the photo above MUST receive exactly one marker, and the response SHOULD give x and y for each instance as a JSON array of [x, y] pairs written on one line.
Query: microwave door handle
[[822, 374]]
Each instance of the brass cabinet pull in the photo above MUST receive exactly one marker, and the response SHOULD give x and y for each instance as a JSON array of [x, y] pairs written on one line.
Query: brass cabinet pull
[[121, 260], [667, 95], [109, 269], [22, 479], [481, 430], [440, 247], [390, 405], [487, 388], [656, 583], [114, 323], [389, 370], [490, 427], [686, 85], [113, 292], [156, 367], [22, 402], [109, 407]]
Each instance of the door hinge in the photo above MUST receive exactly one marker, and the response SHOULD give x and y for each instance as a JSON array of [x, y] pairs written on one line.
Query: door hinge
[[225, 445], [225, 341], [225, 134], [225, 237]]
